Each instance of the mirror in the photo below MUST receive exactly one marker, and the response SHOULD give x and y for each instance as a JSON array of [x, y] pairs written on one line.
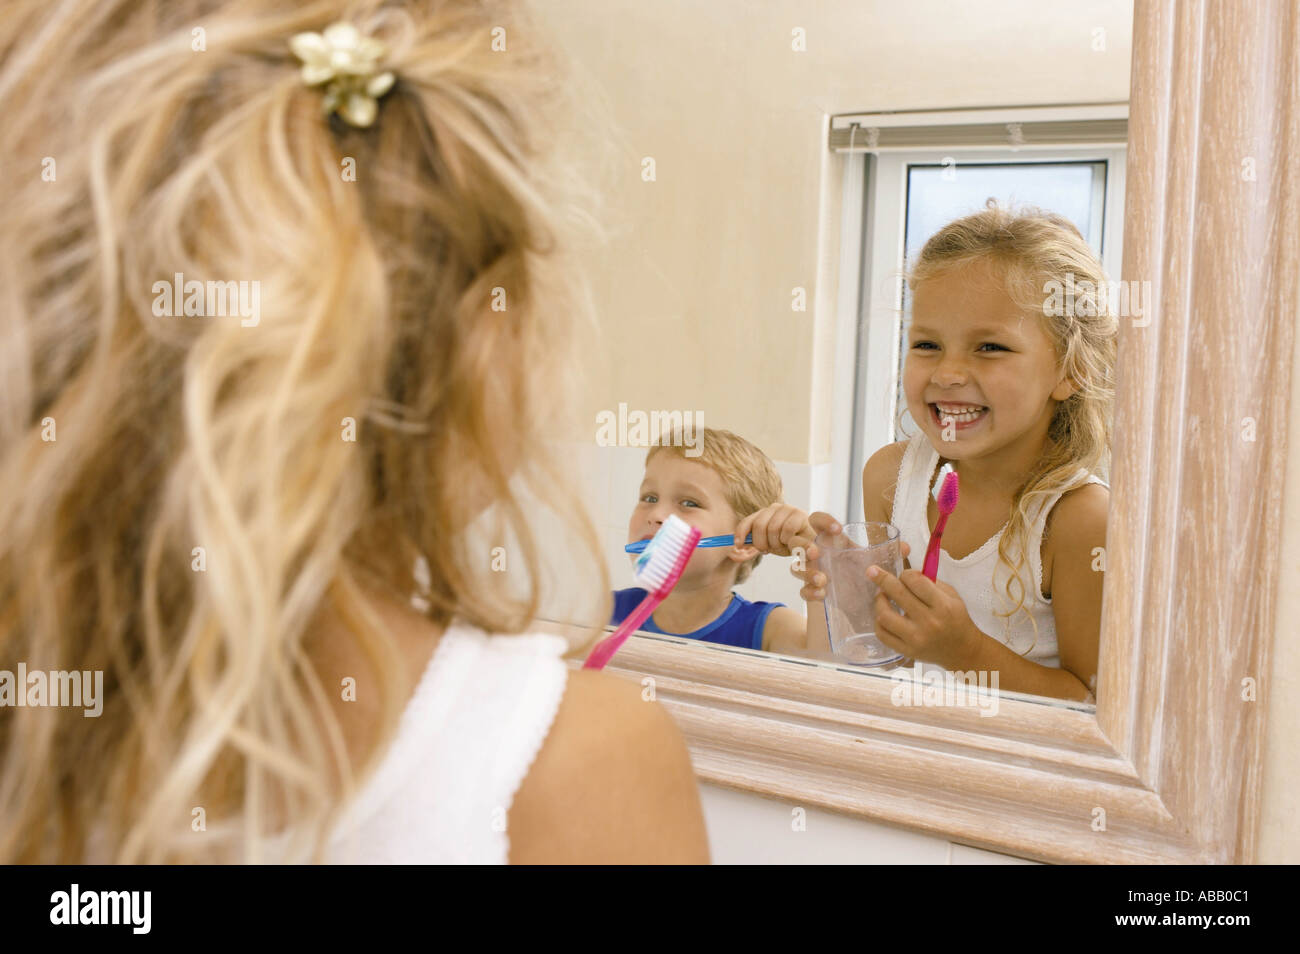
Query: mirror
[[778, 174]]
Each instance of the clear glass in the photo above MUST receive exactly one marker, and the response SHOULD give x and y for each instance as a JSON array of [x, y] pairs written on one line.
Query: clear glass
[[851, 596]]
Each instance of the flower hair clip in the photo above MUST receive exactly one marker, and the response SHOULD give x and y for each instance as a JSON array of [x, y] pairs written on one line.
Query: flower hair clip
[[347, 63]]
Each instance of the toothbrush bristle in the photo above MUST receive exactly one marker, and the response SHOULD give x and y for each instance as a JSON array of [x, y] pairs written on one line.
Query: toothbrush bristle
[[666, 554], [948, 494]]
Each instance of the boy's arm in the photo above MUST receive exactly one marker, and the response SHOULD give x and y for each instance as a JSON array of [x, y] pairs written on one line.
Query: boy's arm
[[786, 631], [817, 638]]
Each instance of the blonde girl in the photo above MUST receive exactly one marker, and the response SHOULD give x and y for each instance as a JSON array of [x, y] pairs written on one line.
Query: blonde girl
[[1010, 376], [222, 515]]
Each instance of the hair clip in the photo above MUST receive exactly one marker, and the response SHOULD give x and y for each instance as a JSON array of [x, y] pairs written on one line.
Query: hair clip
[[347, 63]]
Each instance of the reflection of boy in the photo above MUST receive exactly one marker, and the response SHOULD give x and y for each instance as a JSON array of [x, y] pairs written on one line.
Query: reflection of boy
[[730, 479]]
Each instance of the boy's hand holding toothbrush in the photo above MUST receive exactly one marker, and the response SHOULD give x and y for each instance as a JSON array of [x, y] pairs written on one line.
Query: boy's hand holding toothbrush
[[777, 529], [783, 530]]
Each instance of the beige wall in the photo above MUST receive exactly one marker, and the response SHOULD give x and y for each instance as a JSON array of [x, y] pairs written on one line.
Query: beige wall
[[694, 290]]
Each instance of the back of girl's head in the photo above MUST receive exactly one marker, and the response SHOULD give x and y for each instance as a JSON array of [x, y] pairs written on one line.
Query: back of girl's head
[[181, 495], [1038, 254]]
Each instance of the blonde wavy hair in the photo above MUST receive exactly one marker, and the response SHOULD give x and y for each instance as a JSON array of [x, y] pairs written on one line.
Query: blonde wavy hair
[[749, 478], [201, 502], [1032, 249]]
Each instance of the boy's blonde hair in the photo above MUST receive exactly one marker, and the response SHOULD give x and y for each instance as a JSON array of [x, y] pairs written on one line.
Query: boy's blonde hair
[[1031, 249], [749, 478], [211, 488]]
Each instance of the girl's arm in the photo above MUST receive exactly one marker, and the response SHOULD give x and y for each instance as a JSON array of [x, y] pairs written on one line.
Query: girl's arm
[[1078, 570], [1015, 673]]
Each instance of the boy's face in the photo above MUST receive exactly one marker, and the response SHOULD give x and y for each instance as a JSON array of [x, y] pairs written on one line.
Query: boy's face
[[969, 344], [692, 492]]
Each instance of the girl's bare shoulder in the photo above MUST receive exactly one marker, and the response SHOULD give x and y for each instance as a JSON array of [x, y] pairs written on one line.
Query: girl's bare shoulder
[[1084, 509], [879, 478], [613, 783], [1078, 519]]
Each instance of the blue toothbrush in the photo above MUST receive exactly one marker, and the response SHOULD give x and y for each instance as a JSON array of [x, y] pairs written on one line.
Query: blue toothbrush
[[722, 540]]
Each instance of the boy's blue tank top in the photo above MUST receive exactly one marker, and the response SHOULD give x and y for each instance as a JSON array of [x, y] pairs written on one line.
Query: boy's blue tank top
[[741, 623]]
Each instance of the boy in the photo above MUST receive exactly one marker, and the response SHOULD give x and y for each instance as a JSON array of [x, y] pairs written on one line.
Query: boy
[[729, 481]]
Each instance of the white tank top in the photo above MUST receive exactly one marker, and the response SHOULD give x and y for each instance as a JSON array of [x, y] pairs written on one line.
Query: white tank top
[[467, 738], [469, 735], [442, 791], [980, 577]]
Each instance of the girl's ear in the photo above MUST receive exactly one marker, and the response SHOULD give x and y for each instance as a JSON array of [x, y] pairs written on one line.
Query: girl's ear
[[1063, 390]]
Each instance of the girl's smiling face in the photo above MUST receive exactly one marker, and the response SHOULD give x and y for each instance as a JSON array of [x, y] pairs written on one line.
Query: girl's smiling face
[[692, 492], [970, 344]]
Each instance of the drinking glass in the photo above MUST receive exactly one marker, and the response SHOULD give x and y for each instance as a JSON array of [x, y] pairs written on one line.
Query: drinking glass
[[850, 595]]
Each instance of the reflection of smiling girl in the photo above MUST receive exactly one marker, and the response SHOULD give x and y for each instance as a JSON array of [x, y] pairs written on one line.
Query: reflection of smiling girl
[[1017, 397]]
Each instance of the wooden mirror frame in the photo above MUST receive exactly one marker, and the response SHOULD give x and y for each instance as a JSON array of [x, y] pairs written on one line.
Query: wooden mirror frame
[[1169, 768]]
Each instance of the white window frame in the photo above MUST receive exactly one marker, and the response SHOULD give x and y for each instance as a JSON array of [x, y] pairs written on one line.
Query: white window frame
[[874, 215]]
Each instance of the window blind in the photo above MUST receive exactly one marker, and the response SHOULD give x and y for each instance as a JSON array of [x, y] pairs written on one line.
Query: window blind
[[1020, 127]]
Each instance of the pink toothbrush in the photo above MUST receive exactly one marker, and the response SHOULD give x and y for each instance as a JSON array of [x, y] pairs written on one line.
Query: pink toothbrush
[[947, 504], [658, 569]]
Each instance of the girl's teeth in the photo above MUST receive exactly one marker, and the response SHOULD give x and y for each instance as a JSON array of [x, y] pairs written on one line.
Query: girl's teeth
[[960, 417]]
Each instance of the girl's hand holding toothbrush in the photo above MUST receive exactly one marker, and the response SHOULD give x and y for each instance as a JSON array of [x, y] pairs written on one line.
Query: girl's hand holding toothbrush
[[936, 628]]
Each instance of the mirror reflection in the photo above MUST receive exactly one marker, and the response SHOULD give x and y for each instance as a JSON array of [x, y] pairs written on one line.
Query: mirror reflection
[[966, 341]]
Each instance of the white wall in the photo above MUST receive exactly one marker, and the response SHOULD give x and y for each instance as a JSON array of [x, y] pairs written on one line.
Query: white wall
[[746, 829]]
